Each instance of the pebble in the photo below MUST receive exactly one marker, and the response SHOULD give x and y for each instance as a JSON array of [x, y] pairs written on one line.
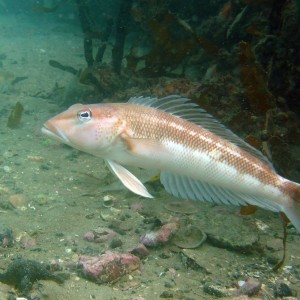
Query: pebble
[[6, 169]]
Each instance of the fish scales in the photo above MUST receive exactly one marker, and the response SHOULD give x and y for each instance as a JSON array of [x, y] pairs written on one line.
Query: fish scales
[[145, 122]]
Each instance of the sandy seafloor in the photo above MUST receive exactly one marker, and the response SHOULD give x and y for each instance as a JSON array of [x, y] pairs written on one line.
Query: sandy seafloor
[[61, 192]]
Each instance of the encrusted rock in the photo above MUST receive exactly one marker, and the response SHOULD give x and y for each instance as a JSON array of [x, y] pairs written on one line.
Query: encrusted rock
[[160, 237], [108, 267]]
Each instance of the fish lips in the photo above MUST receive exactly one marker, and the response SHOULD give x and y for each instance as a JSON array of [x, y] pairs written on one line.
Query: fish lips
[[55, 133]]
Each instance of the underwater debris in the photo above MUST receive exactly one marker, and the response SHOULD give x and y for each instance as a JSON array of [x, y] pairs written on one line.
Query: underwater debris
[[254, 81], [15, 116], [47, 7], [108, 267], [22, 273], [58, 65], [43, 9]]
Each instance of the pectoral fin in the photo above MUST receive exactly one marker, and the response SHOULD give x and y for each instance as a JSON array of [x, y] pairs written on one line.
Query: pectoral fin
[[128, 179]]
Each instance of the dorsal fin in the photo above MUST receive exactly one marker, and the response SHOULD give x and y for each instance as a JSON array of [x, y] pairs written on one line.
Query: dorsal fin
[[183, 108]]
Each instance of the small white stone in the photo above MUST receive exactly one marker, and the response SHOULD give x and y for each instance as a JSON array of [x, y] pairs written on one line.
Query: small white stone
[[6, 169]]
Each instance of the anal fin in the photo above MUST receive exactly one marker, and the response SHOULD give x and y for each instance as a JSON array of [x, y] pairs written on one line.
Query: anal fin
[[188, 188]]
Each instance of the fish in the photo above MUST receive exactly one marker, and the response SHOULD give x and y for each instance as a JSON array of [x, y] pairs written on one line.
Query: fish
[[198, 158]]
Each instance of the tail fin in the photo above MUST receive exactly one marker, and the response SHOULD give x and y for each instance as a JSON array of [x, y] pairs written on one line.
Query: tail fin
[[292, 208]]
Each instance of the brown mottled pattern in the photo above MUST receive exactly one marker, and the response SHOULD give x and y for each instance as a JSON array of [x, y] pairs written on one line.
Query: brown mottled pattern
[[146, 122]]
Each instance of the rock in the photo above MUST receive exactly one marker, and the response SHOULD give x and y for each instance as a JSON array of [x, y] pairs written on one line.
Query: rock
[[100, 235], [192, 260], [282, 290], [160, 237], [215, 290], [27, 242], [22, 273], [18, 201], [6, 236], [231, 232], [108, 267]]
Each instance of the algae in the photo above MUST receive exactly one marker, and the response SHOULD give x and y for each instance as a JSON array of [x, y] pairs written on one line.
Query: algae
[[15, 116]]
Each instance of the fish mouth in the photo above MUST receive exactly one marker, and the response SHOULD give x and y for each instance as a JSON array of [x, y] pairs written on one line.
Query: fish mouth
[[55, 133]]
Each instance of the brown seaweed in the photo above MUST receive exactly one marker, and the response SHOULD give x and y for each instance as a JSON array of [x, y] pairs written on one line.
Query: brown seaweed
[[173, 38], [15, 116], [254, 81]]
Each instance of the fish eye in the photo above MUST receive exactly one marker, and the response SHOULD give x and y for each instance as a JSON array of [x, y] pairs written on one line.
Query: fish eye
[[84, 115]]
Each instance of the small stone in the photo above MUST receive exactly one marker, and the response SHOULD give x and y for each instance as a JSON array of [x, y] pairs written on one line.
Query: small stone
[[100, 235], [140, 250]]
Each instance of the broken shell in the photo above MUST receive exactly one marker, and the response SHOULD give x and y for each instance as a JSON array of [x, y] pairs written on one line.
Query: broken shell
[[189, 237], [111, 214], [108, 201], [183, 207]]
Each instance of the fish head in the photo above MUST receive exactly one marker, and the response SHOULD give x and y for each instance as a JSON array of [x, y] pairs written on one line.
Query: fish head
[[90, 128]]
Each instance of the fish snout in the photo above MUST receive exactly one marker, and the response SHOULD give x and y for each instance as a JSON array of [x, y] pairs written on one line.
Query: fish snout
[[54, 132]]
